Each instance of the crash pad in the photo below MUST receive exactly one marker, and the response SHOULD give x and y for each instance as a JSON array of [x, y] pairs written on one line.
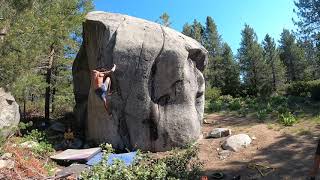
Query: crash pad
[[127, 158], [76, 154]]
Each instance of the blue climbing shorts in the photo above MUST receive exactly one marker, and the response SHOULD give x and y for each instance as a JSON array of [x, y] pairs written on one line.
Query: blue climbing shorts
[[102, 91]]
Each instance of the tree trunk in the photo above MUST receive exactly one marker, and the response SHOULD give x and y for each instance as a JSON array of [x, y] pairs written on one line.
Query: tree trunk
[[52, 100], [48, 89]]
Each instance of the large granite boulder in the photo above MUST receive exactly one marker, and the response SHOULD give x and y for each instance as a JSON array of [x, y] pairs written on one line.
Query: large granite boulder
[[158, 86], [9, 114]]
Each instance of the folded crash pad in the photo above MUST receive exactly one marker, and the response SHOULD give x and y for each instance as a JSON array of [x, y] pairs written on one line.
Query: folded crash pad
[[127, 158], [76, 154]]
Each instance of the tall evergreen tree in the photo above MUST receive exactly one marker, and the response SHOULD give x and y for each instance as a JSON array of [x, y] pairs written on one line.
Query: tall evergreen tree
[[187, 30], [212, 42], [231, 72], [275, 67], [197, 31], [43, 35], [293, 57], [212, 39], [310, 50], [308, 12], [252, 64]]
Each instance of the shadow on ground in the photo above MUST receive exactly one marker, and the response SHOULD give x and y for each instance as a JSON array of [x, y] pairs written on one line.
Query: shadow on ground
[[290, 156]]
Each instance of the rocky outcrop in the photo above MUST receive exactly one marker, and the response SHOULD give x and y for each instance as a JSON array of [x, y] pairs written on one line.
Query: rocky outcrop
[[9, 114], [158, 86]]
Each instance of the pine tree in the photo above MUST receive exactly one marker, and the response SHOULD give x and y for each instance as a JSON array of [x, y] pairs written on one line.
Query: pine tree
[[164, 19], [212, 42], [293, 57], [197, 31], [252, 64], [231, 73], [275, 67], [187, 30], [309, 17], [310, 50], [40, 37]]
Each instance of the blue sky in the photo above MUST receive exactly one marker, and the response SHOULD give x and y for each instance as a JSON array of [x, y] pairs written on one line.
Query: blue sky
[[265, 16]]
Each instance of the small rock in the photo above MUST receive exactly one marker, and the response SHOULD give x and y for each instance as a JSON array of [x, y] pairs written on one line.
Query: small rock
[[6, 164], [236, 142], [74, 170], [6, 156], [218, 149], [253, 138], [29, 144], [224, 154], [219, 132]]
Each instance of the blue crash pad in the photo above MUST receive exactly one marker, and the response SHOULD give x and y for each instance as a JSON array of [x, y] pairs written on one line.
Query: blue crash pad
[[127, 158]]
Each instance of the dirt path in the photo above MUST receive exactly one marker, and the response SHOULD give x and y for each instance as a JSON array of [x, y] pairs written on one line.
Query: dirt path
[[290, 155]]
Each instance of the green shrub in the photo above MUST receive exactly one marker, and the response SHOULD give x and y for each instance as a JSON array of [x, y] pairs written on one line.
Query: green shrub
[[216, 106], [288, 119], [212, 94], [243, 112], [24, 126], [282, 109], [305, 89], [252, 103], [278, 101], [179, 164], [262, 114], [227, 99], [269, 108], [235, 104], [44, 147]]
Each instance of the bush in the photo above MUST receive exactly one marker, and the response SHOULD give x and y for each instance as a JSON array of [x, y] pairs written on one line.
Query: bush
[[288, 119], [215, 106], [262, 114], [243, 112], [235, 104], [227, 99], [278, 101], [44, 147], [305, 89], [212, 94], [178, 165]]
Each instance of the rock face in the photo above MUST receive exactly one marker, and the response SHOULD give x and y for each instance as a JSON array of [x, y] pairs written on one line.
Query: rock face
[[158, 86], [236, 142], [9, 113]]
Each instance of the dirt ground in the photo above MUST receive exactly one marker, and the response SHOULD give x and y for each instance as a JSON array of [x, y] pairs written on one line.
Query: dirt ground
[[288, 150]]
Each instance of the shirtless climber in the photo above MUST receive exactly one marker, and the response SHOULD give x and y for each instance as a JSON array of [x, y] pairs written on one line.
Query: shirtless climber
[[101, 79]]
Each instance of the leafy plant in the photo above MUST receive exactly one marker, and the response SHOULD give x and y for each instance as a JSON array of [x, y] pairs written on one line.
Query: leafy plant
[[243, 112], [24, 126], [43, 147], [178, 165], [216, 105], [235, 104], [262, 114], [212, 94], [288, 119], [35, 135]]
